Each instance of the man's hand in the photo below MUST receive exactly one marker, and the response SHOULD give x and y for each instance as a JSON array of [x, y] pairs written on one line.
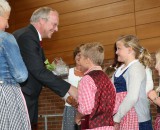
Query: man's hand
[[73, 91]]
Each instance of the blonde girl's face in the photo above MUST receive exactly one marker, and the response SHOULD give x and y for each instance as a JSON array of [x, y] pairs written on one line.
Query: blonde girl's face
[[157, 67], [122, 52]]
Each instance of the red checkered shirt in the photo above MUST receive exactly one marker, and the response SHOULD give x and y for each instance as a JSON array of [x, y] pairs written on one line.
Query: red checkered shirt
[[86, 97]]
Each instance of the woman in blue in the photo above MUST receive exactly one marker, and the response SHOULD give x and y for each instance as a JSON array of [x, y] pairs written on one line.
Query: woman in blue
[[13, 112]]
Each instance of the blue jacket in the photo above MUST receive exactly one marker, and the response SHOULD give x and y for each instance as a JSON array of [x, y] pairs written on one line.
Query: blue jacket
[[12, 67]]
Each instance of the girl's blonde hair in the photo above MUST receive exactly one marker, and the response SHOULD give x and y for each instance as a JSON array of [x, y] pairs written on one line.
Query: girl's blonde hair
[[94, 51], [158, 56], [140, 52]]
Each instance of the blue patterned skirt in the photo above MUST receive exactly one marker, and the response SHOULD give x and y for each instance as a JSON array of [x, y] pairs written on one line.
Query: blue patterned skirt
[[69, 118], [13, 112]]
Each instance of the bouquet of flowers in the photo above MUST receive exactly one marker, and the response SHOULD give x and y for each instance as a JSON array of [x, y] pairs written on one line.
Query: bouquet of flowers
[[49, 66], [58, 67]]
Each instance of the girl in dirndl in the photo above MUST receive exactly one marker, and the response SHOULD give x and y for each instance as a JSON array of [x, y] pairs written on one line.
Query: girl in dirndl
[[131, 109], [154, 96]]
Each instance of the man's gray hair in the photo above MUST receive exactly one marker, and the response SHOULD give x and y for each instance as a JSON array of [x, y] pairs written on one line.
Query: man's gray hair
[[4, 7], [41, 13]]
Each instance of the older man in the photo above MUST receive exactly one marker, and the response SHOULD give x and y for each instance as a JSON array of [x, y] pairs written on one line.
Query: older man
[[43, 23]]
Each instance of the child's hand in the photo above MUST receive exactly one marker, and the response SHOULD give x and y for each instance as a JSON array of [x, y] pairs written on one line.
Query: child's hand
[[78, 120], [116, 126], [70, 100], [152, 95]]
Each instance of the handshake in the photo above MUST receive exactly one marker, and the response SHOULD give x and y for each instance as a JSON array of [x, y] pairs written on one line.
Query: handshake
[[70, 100]]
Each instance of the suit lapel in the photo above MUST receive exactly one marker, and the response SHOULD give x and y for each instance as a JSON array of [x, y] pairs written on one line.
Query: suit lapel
[[41, 51]]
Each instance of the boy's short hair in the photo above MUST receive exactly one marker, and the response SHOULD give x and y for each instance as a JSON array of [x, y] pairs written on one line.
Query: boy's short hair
[[94, 51]]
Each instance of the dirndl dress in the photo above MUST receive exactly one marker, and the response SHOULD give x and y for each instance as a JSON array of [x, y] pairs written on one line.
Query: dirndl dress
[[130, 120], [13, 110], [157, 122], [69, 118]]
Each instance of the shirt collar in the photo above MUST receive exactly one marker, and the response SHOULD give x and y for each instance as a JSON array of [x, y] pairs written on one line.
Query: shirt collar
[[120, 70], [93, 68], [39, 35]]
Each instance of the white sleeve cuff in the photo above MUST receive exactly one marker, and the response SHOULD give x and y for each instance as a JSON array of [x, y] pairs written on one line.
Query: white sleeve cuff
[[117, 118]]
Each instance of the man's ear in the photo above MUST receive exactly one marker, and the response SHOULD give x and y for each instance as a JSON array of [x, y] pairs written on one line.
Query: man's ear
[[89, 62], [41, 21]]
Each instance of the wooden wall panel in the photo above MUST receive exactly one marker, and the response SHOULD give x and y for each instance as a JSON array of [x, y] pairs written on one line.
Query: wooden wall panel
[[109, 51], [11, 28], [12, 17], [95, 26], [148, 30], [99, 12], [148, 16], [94, 20], [20, 25], [65, 50], [28, 4], [62, 6], [107, 24], [103, 11], [146, 4], [24, 16], [152, 44], [106, 38], [68, 56], [76, 5]]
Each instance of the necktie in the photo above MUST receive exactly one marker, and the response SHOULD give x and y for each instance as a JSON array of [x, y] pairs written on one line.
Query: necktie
[[40, 42]]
